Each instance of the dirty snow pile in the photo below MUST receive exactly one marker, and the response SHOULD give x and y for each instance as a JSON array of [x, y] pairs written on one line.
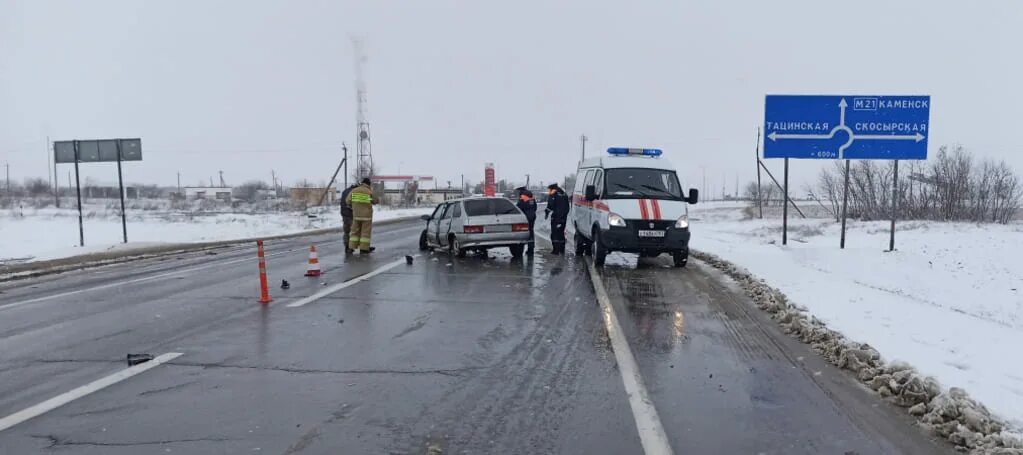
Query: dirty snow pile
[[28, 235], [947, 302]]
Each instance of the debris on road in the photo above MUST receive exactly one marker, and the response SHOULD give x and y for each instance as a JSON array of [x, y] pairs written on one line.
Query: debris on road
[[408, 260], [285, 284], [136, 359]]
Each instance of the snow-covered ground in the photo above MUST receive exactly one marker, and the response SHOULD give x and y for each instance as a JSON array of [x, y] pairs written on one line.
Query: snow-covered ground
[[948, 301], [33, 235]]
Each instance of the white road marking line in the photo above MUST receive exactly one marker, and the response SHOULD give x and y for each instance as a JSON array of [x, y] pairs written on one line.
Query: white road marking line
[[337, 287], [94, 386], [648, 423]]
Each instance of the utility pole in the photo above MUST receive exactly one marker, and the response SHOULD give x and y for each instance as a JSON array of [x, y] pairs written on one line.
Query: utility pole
[[179, 184], [273, 181], [583, 140], [463, 185], [222, 184], [704, 168], [527, 181], [8, 192]]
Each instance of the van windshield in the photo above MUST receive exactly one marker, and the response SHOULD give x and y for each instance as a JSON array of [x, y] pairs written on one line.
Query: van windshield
[[646, 183]]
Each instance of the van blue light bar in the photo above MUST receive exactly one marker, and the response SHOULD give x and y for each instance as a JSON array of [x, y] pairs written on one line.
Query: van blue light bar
[[623, 151]]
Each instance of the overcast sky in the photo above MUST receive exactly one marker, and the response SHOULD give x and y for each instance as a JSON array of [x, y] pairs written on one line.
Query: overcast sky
[[253, 86]]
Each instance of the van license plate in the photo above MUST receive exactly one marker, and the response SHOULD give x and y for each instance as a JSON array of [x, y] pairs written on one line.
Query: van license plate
[[651, 233]]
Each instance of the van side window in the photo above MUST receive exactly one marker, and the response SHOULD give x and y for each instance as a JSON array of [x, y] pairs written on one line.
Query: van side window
[[580, 182], [598, 181], [589, 178]]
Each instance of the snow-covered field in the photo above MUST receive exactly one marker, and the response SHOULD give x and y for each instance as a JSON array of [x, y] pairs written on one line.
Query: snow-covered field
[[948, 301], [33, 235]]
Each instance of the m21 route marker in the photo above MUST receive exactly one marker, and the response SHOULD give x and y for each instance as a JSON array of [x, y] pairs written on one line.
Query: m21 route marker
[[853, 127]]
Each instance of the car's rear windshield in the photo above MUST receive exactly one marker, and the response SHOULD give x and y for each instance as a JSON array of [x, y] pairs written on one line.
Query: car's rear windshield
[[646, 183], [494, 206]]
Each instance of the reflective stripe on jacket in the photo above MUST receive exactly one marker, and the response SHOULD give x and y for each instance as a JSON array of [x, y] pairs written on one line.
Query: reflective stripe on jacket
[[361, 200]]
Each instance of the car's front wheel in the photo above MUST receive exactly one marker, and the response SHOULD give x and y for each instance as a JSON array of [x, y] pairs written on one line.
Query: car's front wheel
[[424, 245]]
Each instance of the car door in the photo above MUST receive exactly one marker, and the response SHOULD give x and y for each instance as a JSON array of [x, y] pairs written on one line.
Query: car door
[[431, 226], [444, 225], [435, 224]]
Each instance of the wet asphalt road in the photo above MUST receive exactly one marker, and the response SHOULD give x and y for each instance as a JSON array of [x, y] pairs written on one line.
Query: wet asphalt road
[[447, 355]]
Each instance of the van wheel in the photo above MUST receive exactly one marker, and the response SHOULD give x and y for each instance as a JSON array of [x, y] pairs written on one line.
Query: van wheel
[[681, 258], [516, 250], [580, 244], [599, 250], [423, 244]]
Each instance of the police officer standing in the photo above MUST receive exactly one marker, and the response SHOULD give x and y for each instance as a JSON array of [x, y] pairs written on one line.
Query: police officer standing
[[557, 209], [527, 204]]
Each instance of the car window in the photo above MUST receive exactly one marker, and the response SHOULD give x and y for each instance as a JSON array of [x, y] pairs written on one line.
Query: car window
[[444, 212], [493, 206], [647, 183], [437, 212], [456, 212], [598, 181], [589, 178]]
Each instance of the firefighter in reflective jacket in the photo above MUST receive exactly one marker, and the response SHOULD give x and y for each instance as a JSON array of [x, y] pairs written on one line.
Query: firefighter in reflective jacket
[[361, 200], [557, 209]]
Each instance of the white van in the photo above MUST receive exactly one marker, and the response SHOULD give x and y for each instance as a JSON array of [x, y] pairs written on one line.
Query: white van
[[631, 201]]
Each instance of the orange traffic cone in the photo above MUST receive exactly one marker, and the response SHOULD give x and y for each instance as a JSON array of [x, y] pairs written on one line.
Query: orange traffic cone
[[314, 263]]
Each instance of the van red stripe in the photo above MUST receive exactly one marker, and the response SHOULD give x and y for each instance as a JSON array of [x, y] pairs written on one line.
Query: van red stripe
[[642, 209], [657, 208]]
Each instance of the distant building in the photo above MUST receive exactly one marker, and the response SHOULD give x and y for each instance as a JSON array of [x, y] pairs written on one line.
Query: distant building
[[310, 195], [208, 192]]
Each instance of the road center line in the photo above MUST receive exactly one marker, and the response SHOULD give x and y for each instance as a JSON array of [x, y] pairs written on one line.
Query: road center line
[[94, 386], [337, 287], [648, 423]]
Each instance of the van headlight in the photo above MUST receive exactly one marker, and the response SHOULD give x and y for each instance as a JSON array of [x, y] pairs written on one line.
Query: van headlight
[[682, 223], [614, 220]]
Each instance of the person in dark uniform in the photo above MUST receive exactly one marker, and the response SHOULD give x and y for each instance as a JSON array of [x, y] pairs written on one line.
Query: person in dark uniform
[[346, 216], [528, 206], [558, 206]]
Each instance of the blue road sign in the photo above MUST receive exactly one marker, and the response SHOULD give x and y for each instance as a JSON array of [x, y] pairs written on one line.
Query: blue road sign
[[846, 127]]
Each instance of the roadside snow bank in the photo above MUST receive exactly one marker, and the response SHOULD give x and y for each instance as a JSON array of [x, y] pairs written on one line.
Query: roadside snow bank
[[53, 233], [946, 302]]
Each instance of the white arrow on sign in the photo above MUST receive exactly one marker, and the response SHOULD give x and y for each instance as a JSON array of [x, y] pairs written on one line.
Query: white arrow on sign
[[774, 136]]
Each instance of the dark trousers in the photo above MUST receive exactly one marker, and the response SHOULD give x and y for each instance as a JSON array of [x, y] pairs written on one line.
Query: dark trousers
[[346, 227], [532, 242], [558, 234]]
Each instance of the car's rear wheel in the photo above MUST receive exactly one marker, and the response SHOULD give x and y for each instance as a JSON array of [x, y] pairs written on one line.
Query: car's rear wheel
[[516, 250], [455, 247], [424, 245], [681, 258], [598, 248]]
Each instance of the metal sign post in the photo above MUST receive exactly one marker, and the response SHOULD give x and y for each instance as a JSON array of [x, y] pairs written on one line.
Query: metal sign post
[[895, 205], [120, 186], [785, 208], [98, 151], [78, 189], [760, 199], [845, 202], [832, 127]]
